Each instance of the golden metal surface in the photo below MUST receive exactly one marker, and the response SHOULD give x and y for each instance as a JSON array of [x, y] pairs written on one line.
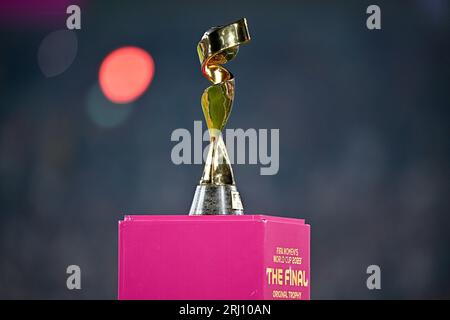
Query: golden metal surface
[[218, 46]]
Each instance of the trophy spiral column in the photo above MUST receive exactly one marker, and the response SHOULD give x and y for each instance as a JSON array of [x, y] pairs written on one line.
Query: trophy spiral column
[[216, 193]]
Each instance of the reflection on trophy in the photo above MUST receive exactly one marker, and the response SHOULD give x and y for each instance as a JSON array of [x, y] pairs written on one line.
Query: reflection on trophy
[[216, 193]]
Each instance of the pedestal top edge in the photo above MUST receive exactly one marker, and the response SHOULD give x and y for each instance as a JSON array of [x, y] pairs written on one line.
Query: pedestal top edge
[[215, 218]]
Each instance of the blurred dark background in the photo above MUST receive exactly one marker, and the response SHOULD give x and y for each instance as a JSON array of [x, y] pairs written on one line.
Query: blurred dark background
[[364, 130]]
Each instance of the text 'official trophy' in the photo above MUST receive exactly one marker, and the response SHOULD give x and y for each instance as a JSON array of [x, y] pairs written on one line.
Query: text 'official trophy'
[[217, 193]]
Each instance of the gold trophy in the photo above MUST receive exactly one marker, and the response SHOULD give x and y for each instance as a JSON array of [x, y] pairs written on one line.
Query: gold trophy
[[216, 193]]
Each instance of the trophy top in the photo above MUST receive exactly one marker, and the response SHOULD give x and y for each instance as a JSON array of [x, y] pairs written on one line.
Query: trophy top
[[221, 44]]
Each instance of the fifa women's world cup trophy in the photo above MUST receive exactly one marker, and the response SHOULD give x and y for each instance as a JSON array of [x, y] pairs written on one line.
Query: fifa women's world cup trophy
[[215, 252], [217, 192]]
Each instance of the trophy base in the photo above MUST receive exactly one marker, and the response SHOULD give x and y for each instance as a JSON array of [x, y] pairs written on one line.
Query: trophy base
[[180, 257], [210, 199]]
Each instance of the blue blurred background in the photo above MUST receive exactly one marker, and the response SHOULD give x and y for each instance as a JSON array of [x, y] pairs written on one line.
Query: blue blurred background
[[363, 118]]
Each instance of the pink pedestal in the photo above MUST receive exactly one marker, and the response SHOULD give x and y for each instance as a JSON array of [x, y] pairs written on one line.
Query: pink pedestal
[[213, 257]]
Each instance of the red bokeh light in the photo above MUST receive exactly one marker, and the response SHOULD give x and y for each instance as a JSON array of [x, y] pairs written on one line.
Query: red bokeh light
[[125, 74]]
